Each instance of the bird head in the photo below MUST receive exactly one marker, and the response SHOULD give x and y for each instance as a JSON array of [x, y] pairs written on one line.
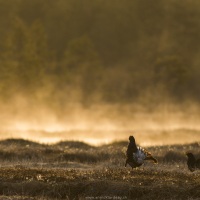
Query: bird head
[[131, 139], [189, 155]]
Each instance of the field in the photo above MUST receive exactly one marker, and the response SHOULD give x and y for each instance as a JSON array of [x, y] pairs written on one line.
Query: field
[[76, 170]]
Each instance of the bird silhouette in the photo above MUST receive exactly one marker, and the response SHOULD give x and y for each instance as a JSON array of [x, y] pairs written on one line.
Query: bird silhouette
[[192, 162], [135, 155]]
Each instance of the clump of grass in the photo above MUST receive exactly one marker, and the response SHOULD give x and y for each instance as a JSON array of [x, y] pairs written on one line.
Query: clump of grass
[[88, 157], [80, 157], [19, 143], [172, 156], [73, 144]]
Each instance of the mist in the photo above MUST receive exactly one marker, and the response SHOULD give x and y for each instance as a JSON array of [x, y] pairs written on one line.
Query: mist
[[100, 123], [99, 71]]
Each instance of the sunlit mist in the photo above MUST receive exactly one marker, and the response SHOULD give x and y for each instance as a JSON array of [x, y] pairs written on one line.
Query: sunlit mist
[[103, 125], [99, 71]]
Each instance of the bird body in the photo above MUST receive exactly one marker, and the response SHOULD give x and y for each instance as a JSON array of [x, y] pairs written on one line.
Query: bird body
[[192, 162], [137, 155]]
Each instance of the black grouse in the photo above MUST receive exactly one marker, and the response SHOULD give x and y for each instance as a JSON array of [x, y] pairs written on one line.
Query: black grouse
[[135, 156], [192, 162]]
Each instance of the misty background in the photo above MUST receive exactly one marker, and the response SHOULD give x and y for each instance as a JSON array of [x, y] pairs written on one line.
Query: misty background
[[82, 69]]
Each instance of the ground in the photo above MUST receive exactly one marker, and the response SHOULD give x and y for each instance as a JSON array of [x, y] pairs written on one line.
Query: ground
[[75, 170]]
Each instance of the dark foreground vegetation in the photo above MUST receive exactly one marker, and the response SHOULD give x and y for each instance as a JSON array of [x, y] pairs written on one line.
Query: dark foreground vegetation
[[75, 170]]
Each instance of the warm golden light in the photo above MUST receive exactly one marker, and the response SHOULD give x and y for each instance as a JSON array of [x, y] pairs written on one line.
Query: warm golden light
[[101, 124]]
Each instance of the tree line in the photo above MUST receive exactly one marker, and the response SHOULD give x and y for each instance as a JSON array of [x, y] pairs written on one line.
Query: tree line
[[100, 51]]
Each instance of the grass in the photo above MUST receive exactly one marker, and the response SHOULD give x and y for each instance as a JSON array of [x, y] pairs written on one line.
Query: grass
[[75, 170]]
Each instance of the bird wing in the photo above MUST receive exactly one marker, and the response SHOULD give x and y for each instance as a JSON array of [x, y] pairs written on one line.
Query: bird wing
[[139, 156]]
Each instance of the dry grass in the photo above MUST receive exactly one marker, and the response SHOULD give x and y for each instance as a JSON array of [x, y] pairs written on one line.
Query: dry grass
[[74, 170]]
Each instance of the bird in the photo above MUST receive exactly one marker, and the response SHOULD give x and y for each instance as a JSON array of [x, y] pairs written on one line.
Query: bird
[[137, 155], [192, 163]]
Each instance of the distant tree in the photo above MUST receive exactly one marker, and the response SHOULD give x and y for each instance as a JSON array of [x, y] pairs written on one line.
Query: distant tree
[[26, 52], [10, 58], [81, 66]]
